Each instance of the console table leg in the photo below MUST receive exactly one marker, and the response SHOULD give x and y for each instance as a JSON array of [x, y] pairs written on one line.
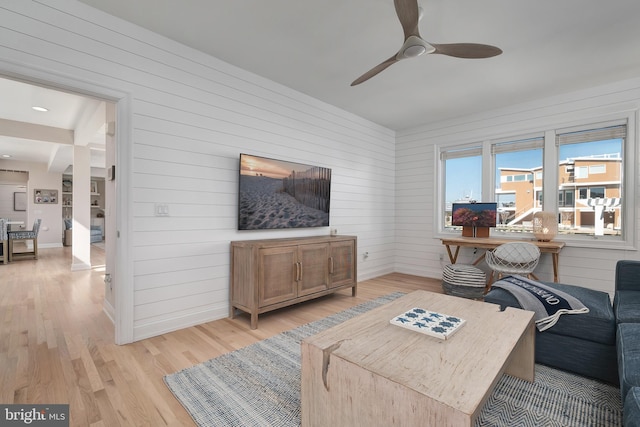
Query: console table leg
[[453, 257], [554, 258]]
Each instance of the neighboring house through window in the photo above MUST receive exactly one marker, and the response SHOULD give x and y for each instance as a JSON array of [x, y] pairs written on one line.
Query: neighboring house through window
[[586, 188]]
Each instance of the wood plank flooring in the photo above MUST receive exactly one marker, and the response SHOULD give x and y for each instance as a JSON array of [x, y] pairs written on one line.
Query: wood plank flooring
[[57, 345]]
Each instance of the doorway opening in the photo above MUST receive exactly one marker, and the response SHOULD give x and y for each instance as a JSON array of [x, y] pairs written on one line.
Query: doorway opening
[[62, 141]]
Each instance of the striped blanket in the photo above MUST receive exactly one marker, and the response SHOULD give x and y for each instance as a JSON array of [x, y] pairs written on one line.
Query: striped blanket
[[547, 303]]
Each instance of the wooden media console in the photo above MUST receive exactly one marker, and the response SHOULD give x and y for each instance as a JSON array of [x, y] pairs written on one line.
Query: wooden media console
[[271, 274]]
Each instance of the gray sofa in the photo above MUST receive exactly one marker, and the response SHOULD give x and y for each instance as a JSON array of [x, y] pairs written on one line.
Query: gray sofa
[[95, 233], [585, 343], [626, 306], [602, 344]]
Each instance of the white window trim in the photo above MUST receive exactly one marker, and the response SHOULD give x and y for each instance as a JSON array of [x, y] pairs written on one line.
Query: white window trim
[[550, 179]]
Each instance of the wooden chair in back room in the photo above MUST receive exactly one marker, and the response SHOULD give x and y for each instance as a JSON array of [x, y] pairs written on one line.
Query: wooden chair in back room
[[4, 245], [25, 235]]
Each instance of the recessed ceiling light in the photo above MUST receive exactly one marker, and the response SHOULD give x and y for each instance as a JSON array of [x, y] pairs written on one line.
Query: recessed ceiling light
[[6, 156], [42, 109]]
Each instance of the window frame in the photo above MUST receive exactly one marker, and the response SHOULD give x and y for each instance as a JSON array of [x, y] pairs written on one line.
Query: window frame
[[627, 239], [473, 149]]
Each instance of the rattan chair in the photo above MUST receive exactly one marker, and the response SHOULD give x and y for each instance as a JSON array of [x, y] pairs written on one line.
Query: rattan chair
[[25, 235], [513, 258]]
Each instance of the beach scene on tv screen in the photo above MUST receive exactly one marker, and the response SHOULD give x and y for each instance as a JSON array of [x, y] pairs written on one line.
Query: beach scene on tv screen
[[280, 194]]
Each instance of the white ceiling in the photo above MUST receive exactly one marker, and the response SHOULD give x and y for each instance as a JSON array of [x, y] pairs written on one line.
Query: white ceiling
[[320, 47], [66, 111]]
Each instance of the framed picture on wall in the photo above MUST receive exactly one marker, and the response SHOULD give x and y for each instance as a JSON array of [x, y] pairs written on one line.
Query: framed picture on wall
[[41, 196], [20, 201]]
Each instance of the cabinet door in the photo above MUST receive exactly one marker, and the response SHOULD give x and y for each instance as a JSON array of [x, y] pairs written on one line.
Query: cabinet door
[[342, 263], [277, 275], [314, 268]]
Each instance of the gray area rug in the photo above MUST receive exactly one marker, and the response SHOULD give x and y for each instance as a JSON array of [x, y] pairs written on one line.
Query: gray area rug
[[259, 385]]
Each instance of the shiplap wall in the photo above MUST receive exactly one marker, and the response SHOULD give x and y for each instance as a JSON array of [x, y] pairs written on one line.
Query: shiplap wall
[[418, 244], [192, 116]]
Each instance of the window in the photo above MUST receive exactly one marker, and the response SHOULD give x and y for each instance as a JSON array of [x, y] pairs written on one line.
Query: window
[[596, 193], [462, 169], [519, 160], [582, 193], [582, 172], [581, 178], [565, 198], [597, 154], [568, 198]]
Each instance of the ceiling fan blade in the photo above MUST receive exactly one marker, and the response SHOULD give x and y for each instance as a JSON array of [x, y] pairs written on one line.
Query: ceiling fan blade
[[467, 50], [409, 15], [375, 70]]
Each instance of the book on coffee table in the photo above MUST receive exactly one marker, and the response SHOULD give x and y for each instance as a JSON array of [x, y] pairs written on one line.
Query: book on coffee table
[[428, 322]]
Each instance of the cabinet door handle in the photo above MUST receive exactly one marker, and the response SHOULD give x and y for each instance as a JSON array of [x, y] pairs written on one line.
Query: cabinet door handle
[[297, 271], [330, 265]]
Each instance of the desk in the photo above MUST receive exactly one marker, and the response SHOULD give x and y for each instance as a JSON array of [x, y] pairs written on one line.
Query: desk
[[553, 248]]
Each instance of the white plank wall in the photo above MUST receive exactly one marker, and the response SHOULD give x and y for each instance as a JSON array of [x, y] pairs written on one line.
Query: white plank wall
[[192, 116], [418, 245]]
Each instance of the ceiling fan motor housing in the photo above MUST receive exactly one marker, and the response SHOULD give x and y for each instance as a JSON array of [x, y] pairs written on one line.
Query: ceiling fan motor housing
[[414, 46]]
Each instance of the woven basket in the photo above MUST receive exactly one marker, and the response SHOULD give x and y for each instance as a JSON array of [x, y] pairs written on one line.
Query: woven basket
[[463, 280]]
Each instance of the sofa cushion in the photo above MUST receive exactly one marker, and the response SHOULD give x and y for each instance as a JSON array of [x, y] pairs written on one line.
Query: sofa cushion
[[587, 358], [598, 325], [626, 306], [631, 417], [628, 347], [627, 275]]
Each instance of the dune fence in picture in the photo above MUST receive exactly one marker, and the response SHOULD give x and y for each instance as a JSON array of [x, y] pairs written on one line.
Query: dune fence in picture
[[279, 194]]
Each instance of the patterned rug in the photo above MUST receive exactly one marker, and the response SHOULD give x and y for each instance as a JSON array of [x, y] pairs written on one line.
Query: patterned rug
[[259, 385]]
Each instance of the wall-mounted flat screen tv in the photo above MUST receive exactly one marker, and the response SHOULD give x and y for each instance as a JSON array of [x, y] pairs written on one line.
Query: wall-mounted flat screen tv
[[474, 214], [281, 194]]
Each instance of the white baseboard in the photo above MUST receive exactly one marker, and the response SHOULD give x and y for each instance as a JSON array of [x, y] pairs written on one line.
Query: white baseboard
[[110, 311], [372, 274], [149, 330], [78, 266], [48, 245], [428, 272], [173, 324]]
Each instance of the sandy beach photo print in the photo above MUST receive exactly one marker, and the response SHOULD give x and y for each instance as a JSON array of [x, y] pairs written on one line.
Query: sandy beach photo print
[[279, 194]]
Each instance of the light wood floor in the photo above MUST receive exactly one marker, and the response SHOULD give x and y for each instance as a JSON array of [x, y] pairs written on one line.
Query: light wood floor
[[56, 344]]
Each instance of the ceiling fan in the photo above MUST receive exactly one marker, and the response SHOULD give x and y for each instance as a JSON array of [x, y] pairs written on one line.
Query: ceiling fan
[[414, 45]]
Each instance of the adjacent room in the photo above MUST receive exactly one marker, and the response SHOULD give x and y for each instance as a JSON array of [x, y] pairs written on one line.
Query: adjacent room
[[339, 213]]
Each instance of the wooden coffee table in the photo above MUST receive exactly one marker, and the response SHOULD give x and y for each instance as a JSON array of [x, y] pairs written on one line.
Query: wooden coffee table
[[368, 372]]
